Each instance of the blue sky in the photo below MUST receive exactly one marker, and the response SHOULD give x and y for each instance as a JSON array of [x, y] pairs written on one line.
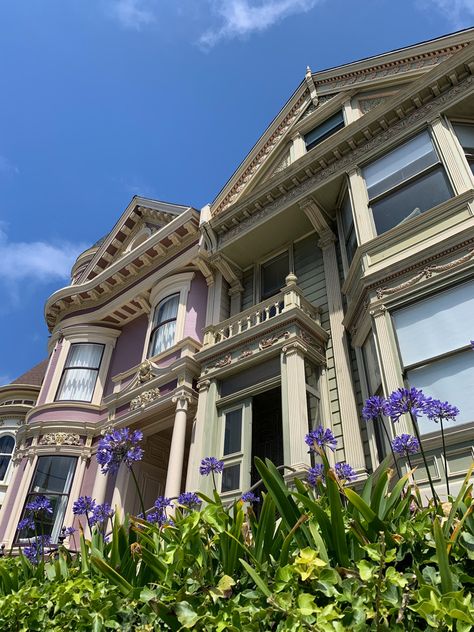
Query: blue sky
[[104, 99]]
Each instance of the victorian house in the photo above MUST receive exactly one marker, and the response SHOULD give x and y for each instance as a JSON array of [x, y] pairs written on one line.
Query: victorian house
[[336, 263]]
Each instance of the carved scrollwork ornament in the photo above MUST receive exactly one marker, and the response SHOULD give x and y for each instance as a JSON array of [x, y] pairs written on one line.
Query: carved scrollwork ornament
[[145, 398], [60, 438], [223, 361]]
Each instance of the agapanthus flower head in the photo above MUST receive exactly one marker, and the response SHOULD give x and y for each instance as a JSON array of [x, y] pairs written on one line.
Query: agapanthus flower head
[[122, 445], [315, 475], [159, 518], [26, 523], [34, 551], [190, 500], [441, 411], [250, 497], [40, 505], [374, 408], [161, 503], [67, 531], [101, 513], [344, 472], [211, 464], [320, 437], [405, 445], [408, 400], [472, 344], [83, 506]]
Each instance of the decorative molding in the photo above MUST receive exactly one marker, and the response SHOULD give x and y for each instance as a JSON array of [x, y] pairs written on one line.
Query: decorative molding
[[60, 438], [203, 385], [313, 93], [144, 398], [145, 372], [349, 159], [263, 154], [366, 105], [426, 273], [246, 353], [223, 362], [269, 342]]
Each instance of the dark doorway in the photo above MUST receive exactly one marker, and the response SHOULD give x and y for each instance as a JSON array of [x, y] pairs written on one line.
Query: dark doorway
[[267, 433]]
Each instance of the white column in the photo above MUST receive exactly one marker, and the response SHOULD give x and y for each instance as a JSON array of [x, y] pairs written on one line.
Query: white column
[[178, 441], [15, 515], [298, 147], [389, 363], [360, 207], [353, 447], [452, 155], [295, 413], [75, 490], [100, 486], [120, 490]]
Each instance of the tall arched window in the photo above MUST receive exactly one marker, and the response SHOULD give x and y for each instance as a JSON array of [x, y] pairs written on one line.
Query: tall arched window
[[7, 444], [163, 331]]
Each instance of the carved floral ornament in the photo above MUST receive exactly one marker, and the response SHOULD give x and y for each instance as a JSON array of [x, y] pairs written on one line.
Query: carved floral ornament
[[60, 438], [145, 372], [145, 398]]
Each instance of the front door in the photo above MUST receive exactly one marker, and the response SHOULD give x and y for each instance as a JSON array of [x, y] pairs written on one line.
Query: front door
[[267, 432]]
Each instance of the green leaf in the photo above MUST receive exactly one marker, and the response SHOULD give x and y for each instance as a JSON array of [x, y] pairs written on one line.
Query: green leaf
[[442, 556], [256, 578], [112, 575], [186, 615], [337, 520], [366, 570]]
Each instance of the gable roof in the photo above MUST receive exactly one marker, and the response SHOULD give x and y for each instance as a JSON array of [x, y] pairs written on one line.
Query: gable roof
[[34, 376]]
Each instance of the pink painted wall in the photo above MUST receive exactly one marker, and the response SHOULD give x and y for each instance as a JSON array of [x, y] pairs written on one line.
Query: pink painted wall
[[6, 510], [196, 308], [65, 414], [49, 373], [128, 350]]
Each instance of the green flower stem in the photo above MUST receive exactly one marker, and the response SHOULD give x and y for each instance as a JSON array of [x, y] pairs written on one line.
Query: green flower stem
[[417, 432], [395, 461], [142, 504], [445, 460]]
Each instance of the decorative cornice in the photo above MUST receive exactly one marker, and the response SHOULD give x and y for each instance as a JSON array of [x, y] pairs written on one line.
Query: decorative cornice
[[145, 398], [60, 438]]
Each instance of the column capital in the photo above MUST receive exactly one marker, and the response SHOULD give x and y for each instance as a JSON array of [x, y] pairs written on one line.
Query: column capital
[[294, 348], [182, 399], [203, 385], [326, 240]]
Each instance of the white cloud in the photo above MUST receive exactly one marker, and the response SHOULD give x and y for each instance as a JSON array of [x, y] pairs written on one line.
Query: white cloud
[[35, 260], [242, 17], [131, 14], [459, 13], [6, 167]]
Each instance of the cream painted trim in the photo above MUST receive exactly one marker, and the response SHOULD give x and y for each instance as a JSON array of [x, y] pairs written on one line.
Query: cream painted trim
[[89, 334], [177, 283], [10, 531]]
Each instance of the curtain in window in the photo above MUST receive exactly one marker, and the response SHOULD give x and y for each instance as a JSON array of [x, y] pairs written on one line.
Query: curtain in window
[[7, 443], [164, 321], [80, 373], [85, 355]]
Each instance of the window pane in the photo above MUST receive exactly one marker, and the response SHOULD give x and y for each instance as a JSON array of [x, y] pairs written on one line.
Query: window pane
[[329, 127], [450, 379], [7, 444], [53, 474], [372, 370], [233, 431], [465, 134], [167, 309], [231, 478], [162, 338], [4, 461], [400, 164], [77, 385], [435, 325], [274, 273], [85, 355], [411, 200]]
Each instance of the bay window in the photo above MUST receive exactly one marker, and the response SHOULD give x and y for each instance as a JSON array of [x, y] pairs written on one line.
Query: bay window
[[163, 330], [80, 372], [433, 337], [7, 444], [52, 478], [406, 182], [465, 134]]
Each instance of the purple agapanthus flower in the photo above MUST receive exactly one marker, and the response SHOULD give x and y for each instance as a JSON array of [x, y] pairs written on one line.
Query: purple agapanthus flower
[[101, 513], [344, 472], [159, 518], [34, 551], [190, 500], [315, 475], [67, 531], [26, 523], [374, 408], [211, 464], [441, 411], [83, 506], [405, 445], [472, 344], [161, 503], [320, 437], [122, 445], [39, 505], [408, 400], [250, 497]]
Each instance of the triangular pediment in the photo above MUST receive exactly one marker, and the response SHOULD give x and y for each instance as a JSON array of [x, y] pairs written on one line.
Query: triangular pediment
[[140, 221], [366, 83]]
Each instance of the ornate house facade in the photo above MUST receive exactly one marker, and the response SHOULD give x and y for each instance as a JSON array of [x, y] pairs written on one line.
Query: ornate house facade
[[336, 263]]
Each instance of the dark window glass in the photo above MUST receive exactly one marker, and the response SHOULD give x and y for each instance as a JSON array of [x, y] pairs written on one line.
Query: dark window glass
[[465, 134], [7, 443], [329, 127], [348, 229], [231, 478], [233, 431], [52, 478], [414, 198], [274, 273]]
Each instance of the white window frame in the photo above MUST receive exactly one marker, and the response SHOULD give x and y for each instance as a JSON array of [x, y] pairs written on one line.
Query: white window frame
[[5, 479], [88, 334], [67, 368], [244, 456], [176, 284]]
